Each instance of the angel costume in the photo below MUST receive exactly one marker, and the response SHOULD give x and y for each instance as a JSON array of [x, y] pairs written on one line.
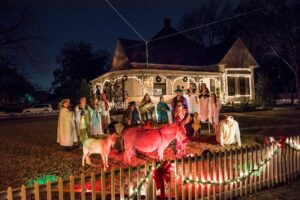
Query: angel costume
[[228, 132], [193, 103], [203, 102], [105, 116], [95, 126], [214, 112], [66, 132]]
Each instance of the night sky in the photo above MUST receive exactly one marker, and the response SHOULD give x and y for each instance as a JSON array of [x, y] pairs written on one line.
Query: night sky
[[93, 21]]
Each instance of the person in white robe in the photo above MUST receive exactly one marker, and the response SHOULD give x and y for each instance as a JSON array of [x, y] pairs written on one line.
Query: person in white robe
[[105, 108], [82, 119], [95, 126], [214, 111], [66, 131], [203, 102], [228, 132], [193, 101]]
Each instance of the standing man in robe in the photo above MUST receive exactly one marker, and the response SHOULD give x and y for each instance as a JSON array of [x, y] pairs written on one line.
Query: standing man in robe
[[66, 131]]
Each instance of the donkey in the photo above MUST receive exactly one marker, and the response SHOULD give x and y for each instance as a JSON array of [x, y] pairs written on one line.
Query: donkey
[[150, 140]]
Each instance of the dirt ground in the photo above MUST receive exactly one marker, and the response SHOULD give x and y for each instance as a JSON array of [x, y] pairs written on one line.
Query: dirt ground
[[28, 147]]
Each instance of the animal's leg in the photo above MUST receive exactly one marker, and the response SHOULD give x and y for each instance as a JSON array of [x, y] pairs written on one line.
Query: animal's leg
[[161, 153], [88, 159], [127, 155], [104, 162], [83, 157]]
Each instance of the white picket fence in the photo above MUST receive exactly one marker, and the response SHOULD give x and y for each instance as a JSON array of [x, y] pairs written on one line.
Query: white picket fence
[[224, 175]]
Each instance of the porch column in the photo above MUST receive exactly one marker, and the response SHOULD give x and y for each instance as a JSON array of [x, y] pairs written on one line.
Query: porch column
[[252, 86]]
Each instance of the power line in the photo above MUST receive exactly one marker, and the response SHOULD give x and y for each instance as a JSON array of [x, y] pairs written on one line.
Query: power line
[[201, 26], [208, 24], [123, 18]]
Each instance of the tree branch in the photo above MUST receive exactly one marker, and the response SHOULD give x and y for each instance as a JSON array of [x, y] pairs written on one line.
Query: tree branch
[[283, 59]]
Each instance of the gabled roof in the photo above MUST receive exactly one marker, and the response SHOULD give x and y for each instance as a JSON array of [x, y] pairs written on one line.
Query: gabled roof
[[178, 52]]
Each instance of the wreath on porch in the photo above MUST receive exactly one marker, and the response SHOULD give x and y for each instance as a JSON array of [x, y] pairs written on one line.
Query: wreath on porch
[[158, 79], [124, 78]]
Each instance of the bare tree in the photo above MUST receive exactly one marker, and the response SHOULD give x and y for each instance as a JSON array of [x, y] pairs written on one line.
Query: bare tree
[[16, 38]]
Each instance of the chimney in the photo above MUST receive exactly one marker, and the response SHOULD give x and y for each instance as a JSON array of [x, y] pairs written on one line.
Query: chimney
[[167, 23]]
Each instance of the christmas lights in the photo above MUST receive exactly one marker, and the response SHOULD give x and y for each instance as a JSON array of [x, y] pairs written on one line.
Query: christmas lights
[[292, 144], [255, 171]]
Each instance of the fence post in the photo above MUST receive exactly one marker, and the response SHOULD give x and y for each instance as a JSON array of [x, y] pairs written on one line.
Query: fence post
[[93, 184], [236, 173], [220, 175], [60, 189], [208, 177], [251, 168], [256, 163], [202, 176], [112, 184], [295, 160], [275, 161], [23, 192], [246, 170], [190, 195], [130, 186], [170, 185], [9, 193], [225, 174], [138, 180], [260, 160], [263, 155], [48, 190], [298, 157], [271, 150], [230, 174], [122, 184], [103, 195], [182, 183], [197, 178], [36, 191], [283, 163], [82, 185], [72, 192], [176, 179], [153, 182], [241, 171], [214, 175]]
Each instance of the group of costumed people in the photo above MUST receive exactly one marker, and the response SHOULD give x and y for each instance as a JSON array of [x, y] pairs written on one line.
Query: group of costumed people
[[78, 123], [202, 107], [194, 108]]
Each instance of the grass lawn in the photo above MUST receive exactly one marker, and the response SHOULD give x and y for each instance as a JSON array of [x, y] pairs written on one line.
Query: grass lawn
[[29, 148]]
